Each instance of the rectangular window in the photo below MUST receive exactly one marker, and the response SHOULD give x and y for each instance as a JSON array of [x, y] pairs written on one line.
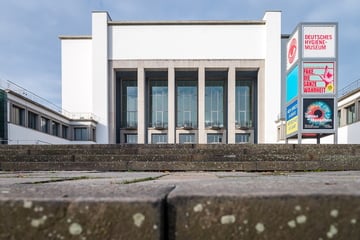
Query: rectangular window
[[339, 118], [158, 94], [32, 120], [187, 138], [350, 114], [186, 99], [214, 138], [45, 125], [159, 138], [245, 81], [215, 99], [81, 134], [55, 127], [128, 99], [243, 137], [131, 138], [18, 115], [65, 131]]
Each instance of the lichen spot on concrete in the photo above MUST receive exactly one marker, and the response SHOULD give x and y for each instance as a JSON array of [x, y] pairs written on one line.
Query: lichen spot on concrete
[[245, 221], [353, 221], [332, 232], [260, 227], [27, 204], [38, 209], [292, 224], [334, 213], [139, 219], [75, 229], [38, 222], [298, 208], [301, 219], [227, 219], [155, 227], [198, 208]]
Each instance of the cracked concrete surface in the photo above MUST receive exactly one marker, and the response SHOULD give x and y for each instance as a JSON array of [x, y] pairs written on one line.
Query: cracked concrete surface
[[179, 205]]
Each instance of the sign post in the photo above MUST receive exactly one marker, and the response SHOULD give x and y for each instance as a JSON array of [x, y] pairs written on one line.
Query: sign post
[[311, 82]]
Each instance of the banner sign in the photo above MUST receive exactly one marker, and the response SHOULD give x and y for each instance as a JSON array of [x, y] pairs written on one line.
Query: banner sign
[[319, 42], [292, 50], [318, 77], [292, 118], [292, 83], [318, 113]]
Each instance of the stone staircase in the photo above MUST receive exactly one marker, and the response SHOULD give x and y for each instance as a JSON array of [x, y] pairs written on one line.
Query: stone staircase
[[176, 157]]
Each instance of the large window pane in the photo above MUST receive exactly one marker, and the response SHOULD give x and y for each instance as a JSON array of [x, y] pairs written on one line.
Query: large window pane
[[19, 115], [128, 82], [131, 138], [32, 120], [158, 138], [350, 114], [81, 134], [242, 137], [186, 99], [245, 81], [158, 94], [187, 138], [214, 138], [55, 128], [45, 125], [215, 98]]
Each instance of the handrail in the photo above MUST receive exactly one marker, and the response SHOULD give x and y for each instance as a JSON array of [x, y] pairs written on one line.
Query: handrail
[[19, 141], [349, 88]]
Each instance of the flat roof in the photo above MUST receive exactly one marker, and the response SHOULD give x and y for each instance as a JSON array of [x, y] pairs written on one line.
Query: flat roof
[[189, 22], [64, 37]]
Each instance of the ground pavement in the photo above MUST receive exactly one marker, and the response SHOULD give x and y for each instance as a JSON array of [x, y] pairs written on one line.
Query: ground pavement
[[179, 205]]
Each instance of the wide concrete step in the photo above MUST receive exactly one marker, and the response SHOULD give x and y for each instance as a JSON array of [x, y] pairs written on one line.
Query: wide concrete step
[[182, 205], [172, 157]]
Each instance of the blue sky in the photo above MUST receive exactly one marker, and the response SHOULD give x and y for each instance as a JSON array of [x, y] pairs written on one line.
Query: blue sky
[[29, 30]]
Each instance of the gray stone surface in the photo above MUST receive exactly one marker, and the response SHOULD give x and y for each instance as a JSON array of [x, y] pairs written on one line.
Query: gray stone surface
[[180, 157], [180, 205], [258, 206], [81, 206]]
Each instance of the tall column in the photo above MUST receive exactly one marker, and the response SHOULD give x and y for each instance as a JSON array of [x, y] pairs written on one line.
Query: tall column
[[141, 92], [100, 74], [201, 104], [231, 91], [171, 104]]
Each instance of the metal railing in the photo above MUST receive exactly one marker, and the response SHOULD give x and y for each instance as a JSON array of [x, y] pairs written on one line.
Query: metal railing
[[7, 85], [349, 88], [24, 142]]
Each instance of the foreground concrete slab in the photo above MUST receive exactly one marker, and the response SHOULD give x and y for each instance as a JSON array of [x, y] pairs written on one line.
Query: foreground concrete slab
[[92, 208], [180, 205], [256, 206]]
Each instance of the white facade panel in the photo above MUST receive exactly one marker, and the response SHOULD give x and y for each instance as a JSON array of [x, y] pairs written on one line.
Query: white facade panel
[[187, 42], [22, 135], [100, 91], [76, 72], [272, 83]]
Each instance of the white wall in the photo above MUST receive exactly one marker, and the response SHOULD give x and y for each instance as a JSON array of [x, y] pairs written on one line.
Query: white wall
[[272, 104], [76, 70], [22, 135], [186, 42], [100, 91]]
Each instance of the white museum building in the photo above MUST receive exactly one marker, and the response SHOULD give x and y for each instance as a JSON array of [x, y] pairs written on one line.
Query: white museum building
[[149, 82]]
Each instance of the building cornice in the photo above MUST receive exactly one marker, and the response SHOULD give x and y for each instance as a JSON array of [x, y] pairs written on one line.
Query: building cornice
[[195, 22], [75, 37]]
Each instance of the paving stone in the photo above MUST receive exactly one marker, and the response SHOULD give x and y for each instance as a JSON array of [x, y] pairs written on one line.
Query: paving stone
[[180, 205], [285, 206], [97, 208]]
